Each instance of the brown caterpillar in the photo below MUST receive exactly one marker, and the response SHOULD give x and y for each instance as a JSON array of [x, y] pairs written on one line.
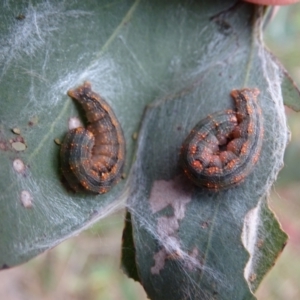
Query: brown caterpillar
[[222, 149], [92, 158]]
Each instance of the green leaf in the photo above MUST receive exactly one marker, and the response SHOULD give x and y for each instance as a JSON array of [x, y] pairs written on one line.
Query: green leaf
[[265, 242], [48, 47], [126, 50], [191, 243], [185, 242], [52, 49], [291, 91]]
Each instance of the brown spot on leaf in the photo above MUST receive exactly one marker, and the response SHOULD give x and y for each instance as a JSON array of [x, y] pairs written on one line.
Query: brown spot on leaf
[[204, 225]]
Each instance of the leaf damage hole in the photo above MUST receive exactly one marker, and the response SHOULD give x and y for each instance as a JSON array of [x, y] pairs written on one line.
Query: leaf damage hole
[[175, 194]]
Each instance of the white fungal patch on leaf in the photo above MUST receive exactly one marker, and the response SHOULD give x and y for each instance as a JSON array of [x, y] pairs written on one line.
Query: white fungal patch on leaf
[[26, 199], [19, 166], [74, 122], [249, 237]]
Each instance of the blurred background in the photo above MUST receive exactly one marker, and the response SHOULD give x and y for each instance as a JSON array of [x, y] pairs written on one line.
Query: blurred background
[[87, 267]]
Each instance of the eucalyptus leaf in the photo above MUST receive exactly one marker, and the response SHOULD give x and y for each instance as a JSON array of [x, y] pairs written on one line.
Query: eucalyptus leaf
[[179, 60], [125, 49], [191, 243]]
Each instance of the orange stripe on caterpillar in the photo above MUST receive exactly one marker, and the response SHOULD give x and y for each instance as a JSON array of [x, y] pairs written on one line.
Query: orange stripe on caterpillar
[[92, 158], [222, 149]]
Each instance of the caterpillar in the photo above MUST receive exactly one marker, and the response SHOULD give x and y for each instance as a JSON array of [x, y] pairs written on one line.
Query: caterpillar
[[92, 158], [222, 149]]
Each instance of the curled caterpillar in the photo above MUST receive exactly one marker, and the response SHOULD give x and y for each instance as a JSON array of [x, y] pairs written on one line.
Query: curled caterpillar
[[92, 158], [222, 149]]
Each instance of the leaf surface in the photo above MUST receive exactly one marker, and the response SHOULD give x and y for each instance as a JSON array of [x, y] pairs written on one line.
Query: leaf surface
[[191, 243]]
